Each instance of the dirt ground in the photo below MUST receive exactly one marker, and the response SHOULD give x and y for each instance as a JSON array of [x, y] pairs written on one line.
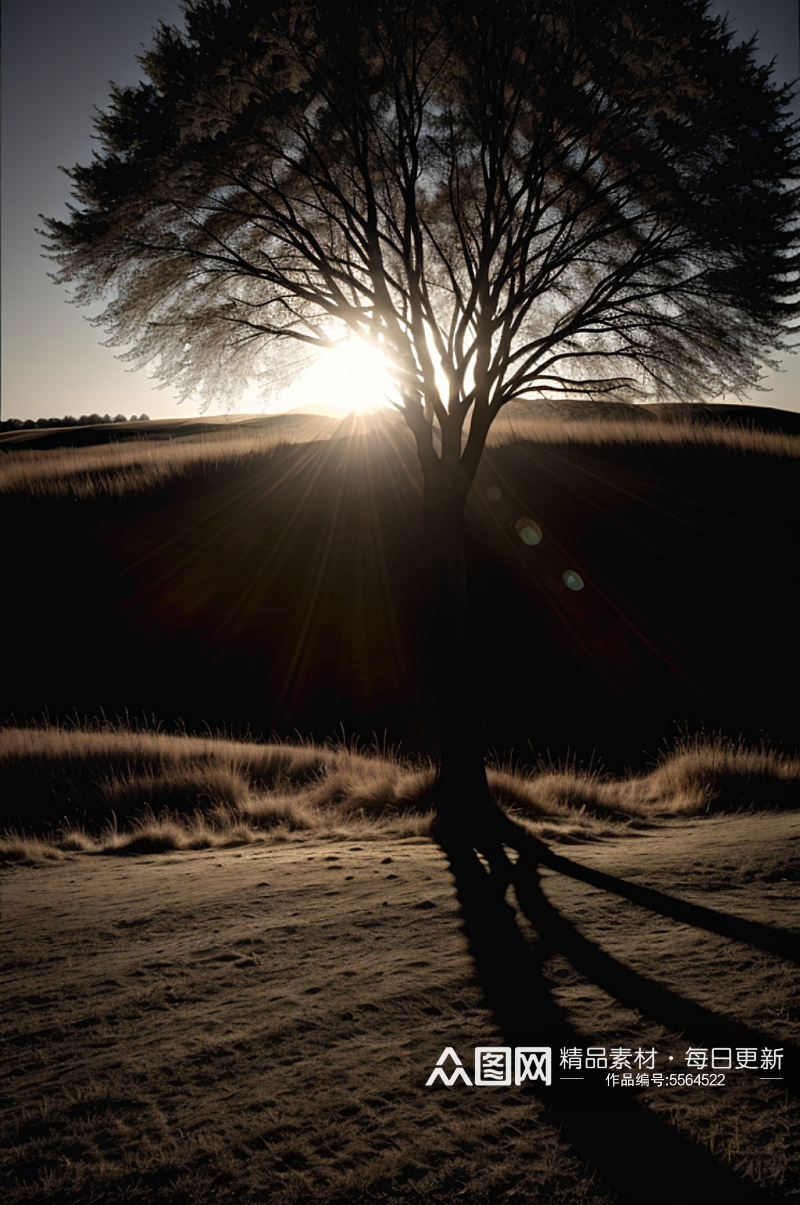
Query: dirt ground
[[258, 1024]]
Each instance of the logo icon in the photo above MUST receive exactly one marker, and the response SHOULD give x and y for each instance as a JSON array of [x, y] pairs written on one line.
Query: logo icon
[[440, 1073], [493, 1066]]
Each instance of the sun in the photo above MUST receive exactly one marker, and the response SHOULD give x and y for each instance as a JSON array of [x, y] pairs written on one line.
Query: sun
[[352, 378]]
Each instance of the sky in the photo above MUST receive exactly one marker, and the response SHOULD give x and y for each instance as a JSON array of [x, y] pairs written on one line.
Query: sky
[[57, 61]]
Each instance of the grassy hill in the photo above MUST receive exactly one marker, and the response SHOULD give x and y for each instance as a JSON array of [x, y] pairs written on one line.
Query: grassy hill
[[265, 575], [230, 966]]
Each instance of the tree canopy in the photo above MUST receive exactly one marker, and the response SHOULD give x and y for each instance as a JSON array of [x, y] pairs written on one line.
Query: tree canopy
[[511, 199]]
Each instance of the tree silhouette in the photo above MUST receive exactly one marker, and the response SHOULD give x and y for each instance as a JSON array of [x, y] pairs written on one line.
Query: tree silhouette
[[509, 198]]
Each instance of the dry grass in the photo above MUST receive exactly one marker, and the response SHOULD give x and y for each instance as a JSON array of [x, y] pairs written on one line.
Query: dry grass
[[239, 1028], [236, 1024], [144, 464], [699, 776], [256, 1025], [140, 466], [625, 432], [116, 789]]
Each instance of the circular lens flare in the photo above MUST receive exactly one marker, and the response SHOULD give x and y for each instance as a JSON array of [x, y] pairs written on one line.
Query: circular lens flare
[[528, 531], [572, 580]]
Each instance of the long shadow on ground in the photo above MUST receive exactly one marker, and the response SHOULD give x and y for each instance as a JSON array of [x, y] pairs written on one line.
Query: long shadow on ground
[[630, 1150]]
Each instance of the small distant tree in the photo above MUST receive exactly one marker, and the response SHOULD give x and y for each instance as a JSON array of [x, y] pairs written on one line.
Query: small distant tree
[[510, 198]]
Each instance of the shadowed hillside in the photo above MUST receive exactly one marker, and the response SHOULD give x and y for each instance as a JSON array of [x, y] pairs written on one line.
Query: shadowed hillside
[[266, 575]]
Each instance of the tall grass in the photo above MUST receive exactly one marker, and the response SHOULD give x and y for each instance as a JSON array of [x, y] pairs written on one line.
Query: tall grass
[[142, 465], [117, 789], [646, 431]]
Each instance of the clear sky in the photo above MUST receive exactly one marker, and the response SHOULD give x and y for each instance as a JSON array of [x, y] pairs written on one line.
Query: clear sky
[[58, 58]]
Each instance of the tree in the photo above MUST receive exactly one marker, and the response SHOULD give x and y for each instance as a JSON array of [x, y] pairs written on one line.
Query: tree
[[510, 198]]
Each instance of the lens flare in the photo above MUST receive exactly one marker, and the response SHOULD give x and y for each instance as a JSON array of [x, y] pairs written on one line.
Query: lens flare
[[572, 580], [528, 531]]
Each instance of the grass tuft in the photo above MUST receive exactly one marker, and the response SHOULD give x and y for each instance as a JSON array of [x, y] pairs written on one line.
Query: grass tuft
[[720, 775], [18, 847]]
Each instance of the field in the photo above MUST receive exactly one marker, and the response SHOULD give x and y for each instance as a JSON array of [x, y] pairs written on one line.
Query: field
[[266, 576], [230, 962], [257, 1023]]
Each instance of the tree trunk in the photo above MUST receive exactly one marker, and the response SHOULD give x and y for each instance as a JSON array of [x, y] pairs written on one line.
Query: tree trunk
[[462, 792]]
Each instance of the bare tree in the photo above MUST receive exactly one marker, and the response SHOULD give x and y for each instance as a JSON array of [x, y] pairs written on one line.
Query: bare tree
[[509, 198]]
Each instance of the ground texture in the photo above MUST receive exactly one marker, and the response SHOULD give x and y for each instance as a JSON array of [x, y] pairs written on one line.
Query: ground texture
[[257, 1025]]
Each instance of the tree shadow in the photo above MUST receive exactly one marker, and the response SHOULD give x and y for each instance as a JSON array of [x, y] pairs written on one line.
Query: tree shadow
[[632, 1152], [762, 937]]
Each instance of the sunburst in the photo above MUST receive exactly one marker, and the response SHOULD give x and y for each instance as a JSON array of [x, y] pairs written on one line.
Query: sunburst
[[351, 378]]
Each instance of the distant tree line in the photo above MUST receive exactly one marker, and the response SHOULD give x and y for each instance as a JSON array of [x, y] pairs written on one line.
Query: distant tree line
[[85, 420]]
